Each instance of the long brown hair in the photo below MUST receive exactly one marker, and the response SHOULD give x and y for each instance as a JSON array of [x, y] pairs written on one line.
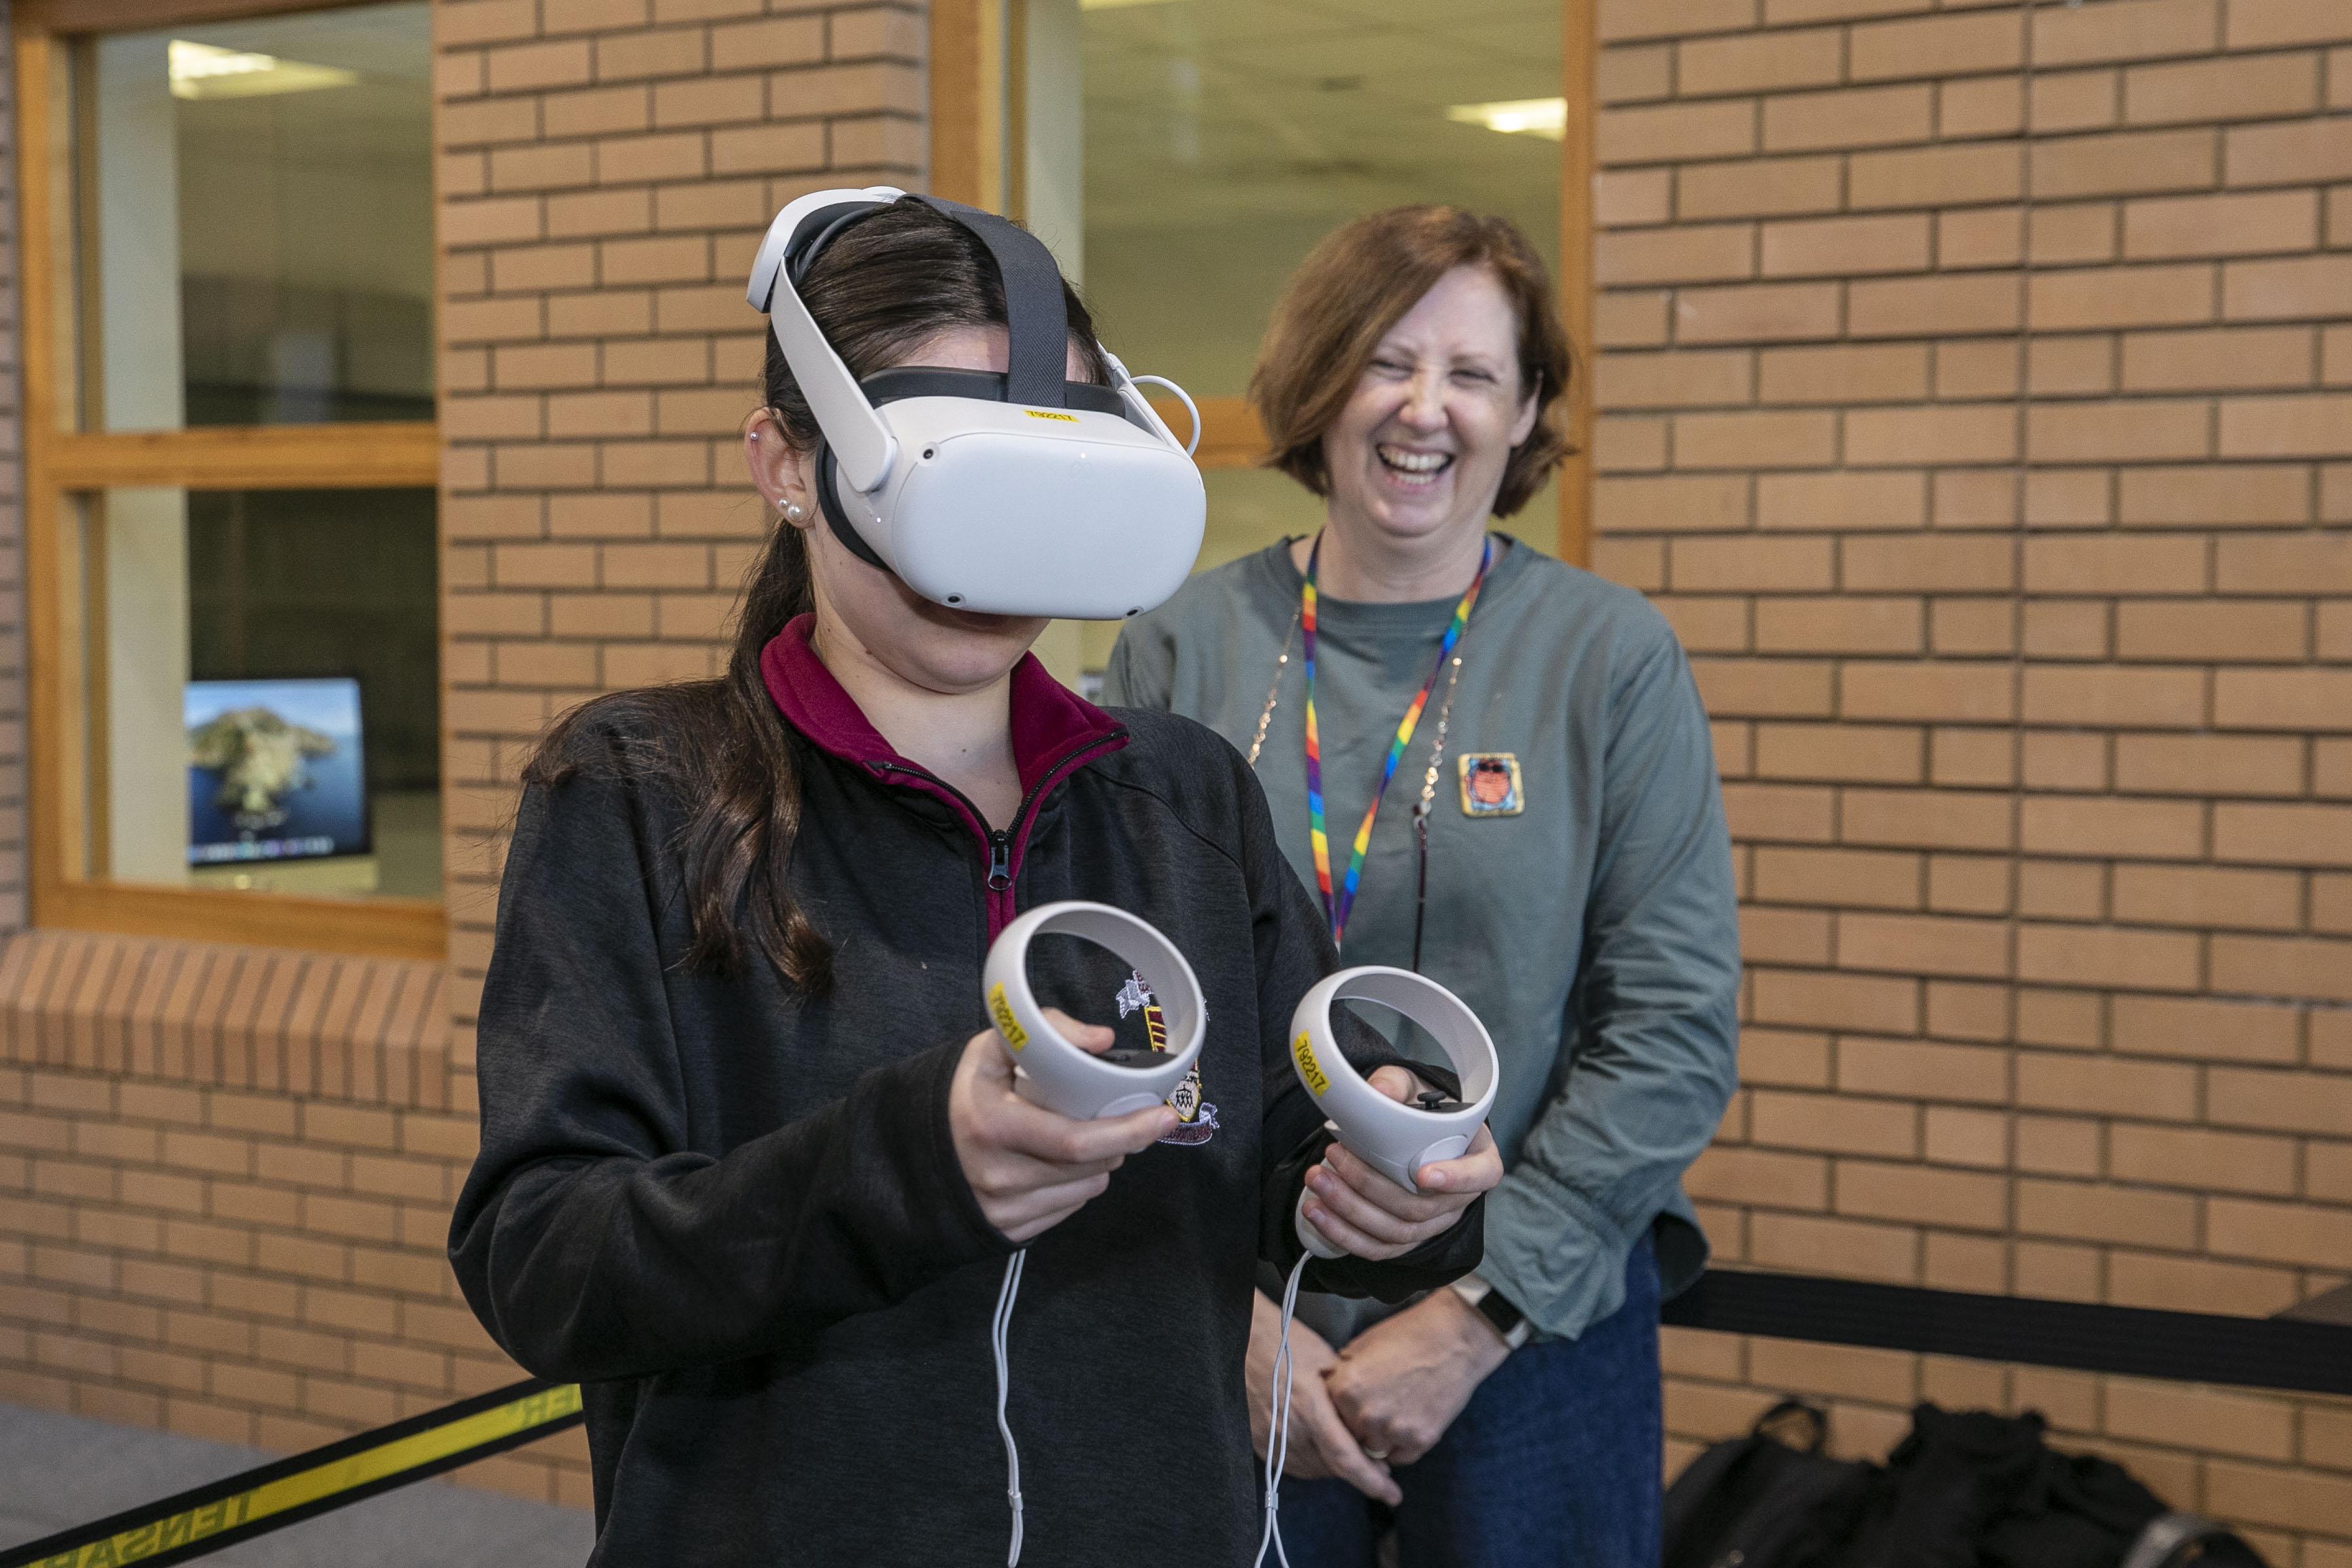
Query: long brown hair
[[1356, 284], [880, 291]]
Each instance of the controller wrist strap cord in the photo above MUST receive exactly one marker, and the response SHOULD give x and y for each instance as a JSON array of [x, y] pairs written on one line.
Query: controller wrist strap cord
[[1005, 1298], [1277, 1430]]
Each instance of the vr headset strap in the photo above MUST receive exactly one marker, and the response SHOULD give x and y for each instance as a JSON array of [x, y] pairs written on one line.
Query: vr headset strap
[[1040, 330]]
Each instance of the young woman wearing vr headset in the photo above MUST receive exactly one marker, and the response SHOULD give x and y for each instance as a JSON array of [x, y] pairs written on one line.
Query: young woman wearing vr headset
[[753, 1163]]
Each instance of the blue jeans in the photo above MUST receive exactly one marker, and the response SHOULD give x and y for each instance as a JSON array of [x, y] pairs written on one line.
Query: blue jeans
[[1554, 1463]]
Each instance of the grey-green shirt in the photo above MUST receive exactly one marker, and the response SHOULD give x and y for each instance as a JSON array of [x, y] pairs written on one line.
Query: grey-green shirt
[[1595, 931]]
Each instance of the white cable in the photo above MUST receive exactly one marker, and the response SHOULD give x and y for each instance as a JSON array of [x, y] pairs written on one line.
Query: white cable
[[1182, 396], [997, 1335], [1277, 1431]]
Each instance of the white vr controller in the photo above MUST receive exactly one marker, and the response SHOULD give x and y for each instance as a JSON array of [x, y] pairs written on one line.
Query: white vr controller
[[1394, 1137], [1047, 1070]]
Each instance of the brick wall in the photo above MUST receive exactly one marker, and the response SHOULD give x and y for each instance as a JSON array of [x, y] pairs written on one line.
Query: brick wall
[[225, 1173], [226, 1176], [1975, 396], [607, 168]]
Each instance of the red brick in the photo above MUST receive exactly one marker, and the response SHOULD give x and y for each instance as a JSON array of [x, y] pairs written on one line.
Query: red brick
[[1843, 374], [1758, 62], [2212, 495], [1763, 689], [1676, 503], [2261, 88], [2139, 430], [2298, 153], [2080, 825], [2197, 764], [2273, 24], [1629, 75], [1760, 312], [2127, 163], [2318, 969], [1776, 564], [1763, 187], [2200, 897], [1944, 306], [2284, 698], [2307, 426], [1936, 46], [2248, 359], [1926, 819], [2293, 563], [2088, 1212], [1841, 624], [1980, 107], [1672, 380], [1935, 176], [1853, 117], [1927, 562], [1676, 132], [1846, 246], [1957, 693], [2123, 30]]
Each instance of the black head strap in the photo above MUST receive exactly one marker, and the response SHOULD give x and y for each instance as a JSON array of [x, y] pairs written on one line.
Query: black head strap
[[1036, 320]]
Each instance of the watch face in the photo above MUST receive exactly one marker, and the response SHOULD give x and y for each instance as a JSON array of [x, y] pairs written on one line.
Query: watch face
[[1498, 1310]]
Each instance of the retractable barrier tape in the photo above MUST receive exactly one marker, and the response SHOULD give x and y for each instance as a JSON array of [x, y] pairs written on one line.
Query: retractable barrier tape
[[2290, 1354], [286, 1491]]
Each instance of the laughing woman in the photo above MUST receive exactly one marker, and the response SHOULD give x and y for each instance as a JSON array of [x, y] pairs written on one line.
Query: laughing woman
[[1491, 768]]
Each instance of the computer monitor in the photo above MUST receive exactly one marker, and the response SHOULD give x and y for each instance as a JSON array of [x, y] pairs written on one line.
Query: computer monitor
[[275, 771]]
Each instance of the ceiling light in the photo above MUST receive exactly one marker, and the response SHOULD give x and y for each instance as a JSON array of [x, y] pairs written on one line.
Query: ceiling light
[[206, 70], [1545, 117]]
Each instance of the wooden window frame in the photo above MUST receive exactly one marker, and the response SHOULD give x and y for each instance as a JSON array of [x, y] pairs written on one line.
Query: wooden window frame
[[968, 145], [61, 463]]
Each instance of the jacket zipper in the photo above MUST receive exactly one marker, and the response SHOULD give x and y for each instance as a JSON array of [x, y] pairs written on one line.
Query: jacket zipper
[[998, 841]]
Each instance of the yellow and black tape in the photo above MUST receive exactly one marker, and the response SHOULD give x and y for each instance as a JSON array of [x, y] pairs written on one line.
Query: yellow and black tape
[[286, 1491]]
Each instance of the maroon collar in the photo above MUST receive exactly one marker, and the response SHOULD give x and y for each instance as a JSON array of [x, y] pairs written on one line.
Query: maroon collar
[[1049, 720]]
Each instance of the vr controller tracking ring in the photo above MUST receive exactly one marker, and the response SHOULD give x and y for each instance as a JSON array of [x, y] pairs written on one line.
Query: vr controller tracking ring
[[1048, 1070], [1395, 1138]]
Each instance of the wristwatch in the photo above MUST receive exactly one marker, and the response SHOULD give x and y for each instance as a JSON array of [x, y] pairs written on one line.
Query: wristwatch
[[1478, 1293]]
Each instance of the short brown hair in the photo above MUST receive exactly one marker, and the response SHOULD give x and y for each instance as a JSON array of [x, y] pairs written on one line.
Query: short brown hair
[[1356, 284]]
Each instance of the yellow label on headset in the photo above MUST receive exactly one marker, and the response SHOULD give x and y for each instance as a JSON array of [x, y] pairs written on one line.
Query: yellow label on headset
[[1002, 1010], [1041, 413], [1304, 1050]]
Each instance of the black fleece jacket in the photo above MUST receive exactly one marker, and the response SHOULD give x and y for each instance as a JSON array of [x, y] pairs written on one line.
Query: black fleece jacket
[[734, 1212]]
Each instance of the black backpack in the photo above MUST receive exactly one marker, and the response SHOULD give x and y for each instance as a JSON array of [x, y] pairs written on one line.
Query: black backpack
[[1743, 1503], [1967, 1489]]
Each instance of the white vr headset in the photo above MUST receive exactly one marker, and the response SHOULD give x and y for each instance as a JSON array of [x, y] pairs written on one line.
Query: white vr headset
[[1020, 494]]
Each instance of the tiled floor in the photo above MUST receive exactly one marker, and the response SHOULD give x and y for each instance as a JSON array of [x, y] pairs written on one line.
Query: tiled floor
[[59, 1471]]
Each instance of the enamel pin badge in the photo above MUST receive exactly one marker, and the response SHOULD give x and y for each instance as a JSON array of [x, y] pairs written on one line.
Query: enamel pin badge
[[1196, 1119], [1490, 784]]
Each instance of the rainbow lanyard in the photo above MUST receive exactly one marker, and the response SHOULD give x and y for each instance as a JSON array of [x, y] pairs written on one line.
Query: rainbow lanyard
[[1336, 908]]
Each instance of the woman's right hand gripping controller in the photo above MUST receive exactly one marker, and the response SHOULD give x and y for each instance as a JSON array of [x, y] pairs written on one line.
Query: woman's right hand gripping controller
[[1030, 1168]]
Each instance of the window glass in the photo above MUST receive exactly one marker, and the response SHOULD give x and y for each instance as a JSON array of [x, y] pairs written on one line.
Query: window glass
[[256, 222], [1223, 137], [259, 671]]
